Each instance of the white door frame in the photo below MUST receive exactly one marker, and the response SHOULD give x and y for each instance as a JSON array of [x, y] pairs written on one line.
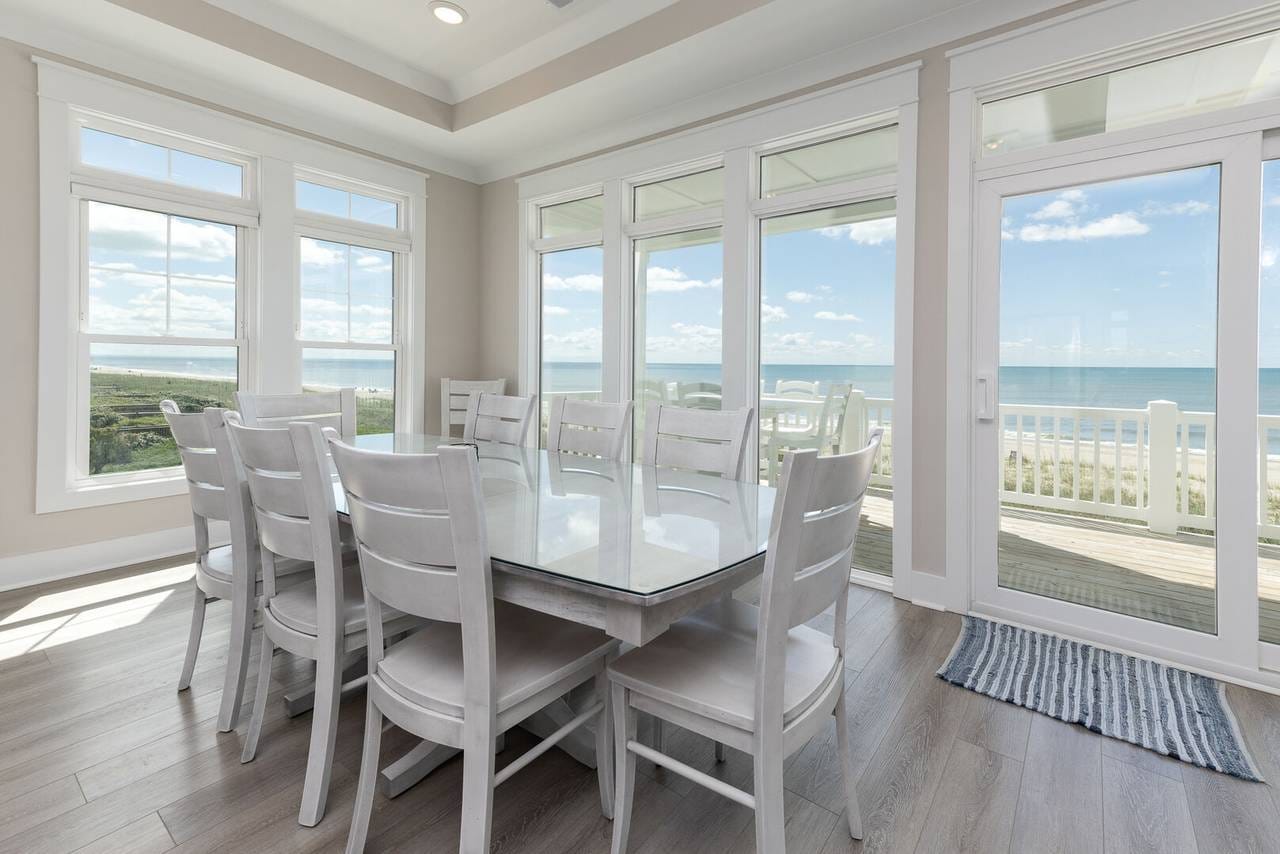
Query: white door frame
[[1235, 645]]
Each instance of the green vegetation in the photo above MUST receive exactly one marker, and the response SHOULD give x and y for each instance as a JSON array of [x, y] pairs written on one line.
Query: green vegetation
[[127, 432]]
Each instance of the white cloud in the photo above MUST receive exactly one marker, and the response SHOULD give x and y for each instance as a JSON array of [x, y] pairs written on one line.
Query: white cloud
[[667, 280], [1059, 208], [554, 311], [572, 345], [1124, 224], [800, 296], [1191, 207], [770, 313], [589, 282], [690, 341], [872, 232], [831, 315], [1268, 259]]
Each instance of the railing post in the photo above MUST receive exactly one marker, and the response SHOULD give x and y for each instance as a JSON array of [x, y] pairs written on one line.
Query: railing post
[[1162, 471]]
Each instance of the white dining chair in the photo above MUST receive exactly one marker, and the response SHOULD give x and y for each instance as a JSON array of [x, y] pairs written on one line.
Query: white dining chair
[[335, 409], [479, 667], [323, 619], [498, 418], [586, 427], [699, 439], [758, 679], [454, 395]]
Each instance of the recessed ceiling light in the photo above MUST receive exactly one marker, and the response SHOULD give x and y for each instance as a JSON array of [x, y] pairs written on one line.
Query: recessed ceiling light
[[449, 13]]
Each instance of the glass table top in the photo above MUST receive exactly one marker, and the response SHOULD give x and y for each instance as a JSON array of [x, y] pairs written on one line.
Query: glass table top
[[634, 528]]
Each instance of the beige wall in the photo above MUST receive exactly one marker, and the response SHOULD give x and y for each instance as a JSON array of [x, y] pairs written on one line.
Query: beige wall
[[500, 283], [452, 326]]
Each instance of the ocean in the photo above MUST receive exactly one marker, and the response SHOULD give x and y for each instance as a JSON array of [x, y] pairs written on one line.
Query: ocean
[[1120, 388]]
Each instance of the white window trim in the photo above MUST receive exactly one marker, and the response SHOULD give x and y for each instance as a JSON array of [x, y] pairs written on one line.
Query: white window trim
[[267, 222], [1097, 40], [884, 98]]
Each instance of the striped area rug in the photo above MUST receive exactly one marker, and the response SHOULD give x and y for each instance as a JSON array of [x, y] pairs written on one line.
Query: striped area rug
[[1170, 711]]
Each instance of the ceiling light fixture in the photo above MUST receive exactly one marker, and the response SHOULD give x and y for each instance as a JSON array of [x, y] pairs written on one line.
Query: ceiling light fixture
[[449, 13]]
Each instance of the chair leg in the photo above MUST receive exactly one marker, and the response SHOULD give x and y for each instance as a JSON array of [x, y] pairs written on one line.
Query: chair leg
[[368, 779], [259, 699], [324, 736], [193, 639], [719, 752], [852, 809], [624, 728], [604, 744], [477, 790], [237, 665], [770, 817]]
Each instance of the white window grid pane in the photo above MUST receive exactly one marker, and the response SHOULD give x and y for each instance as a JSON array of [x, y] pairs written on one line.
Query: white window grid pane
[[347, 204], [350, 306], [231, 181]]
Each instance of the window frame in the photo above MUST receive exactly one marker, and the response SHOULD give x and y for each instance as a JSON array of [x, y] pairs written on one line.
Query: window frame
[[736, 144], [267, 349]]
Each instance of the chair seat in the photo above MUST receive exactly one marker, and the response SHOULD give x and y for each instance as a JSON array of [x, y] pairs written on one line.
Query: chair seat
[[533, 651], [706, 664], [296, 607], [217, 563]]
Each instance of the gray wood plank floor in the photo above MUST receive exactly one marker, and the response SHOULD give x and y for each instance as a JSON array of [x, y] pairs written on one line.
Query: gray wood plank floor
[[99, 753]]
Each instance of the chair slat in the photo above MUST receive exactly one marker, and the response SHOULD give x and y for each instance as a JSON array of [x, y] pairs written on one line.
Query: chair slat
[[697, 423], [588, 427], [814, 591], [277, 493], [826, 536], [498, 418], [396, 480], [286, 536], [201, 464], [208, 501], [189, 429], [424, 591], [266, 449], [598, 443], [699, 456], [502, 406], [296, 406], [586, 413], [404, 535], [836, 481]]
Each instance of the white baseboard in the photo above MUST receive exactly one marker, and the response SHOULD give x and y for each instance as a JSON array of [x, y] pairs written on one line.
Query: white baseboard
[[58, 564]]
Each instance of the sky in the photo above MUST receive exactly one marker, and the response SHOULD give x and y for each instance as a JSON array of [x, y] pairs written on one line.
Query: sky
[[828, 299]]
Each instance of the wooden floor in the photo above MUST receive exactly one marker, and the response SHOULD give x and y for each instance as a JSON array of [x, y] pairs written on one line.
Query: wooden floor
[[98, 753]]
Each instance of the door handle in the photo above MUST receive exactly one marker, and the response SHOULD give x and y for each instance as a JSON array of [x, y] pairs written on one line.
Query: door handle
[[986, 392]]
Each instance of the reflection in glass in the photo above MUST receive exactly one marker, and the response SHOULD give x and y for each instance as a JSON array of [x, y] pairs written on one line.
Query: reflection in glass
[[679, 195], [572, 326], [1269, 410], [127, 432], [678, 298], [573, 217], [1108, 342], [371, 372], [863, 155], [826, 348]]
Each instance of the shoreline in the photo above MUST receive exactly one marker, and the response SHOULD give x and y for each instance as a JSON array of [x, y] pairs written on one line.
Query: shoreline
[[367, 391]]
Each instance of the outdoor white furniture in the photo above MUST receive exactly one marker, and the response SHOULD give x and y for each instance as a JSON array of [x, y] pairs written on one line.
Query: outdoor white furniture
[[454, 395], [575, 542], [323, 619], [479, 667], [782, 431], [698, 439], [582, 427], [699, 395], [335, 409], [796, 388], [758, 679], [498, 418]]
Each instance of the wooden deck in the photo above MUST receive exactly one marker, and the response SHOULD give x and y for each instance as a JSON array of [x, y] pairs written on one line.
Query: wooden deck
[[1115, 566]]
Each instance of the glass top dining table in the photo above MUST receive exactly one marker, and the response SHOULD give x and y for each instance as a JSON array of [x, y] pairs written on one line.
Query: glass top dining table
[[627, 530]]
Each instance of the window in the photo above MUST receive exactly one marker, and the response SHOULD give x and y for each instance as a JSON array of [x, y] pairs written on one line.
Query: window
[[678, 195], [827, 287], [347, 298], [182, 273], [159, 291], [863, 155], [343, 204], [1269, 410], [570, 271], [677, 333], [1201, 81], [146, 160]]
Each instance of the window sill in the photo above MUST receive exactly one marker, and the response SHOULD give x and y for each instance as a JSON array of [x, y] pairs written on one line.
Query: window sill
[[99, 492]]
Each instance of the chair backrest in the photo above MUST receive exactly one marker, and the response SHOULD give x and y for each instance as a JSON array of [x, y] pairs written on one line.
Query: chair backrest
[[796, 388], [811, 540], [190, 432], [699, 395], [699, 439], [291, 490], [246, 557], [454, 396], [420, 530], [498, 418], [583, 427], [335, 409]]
